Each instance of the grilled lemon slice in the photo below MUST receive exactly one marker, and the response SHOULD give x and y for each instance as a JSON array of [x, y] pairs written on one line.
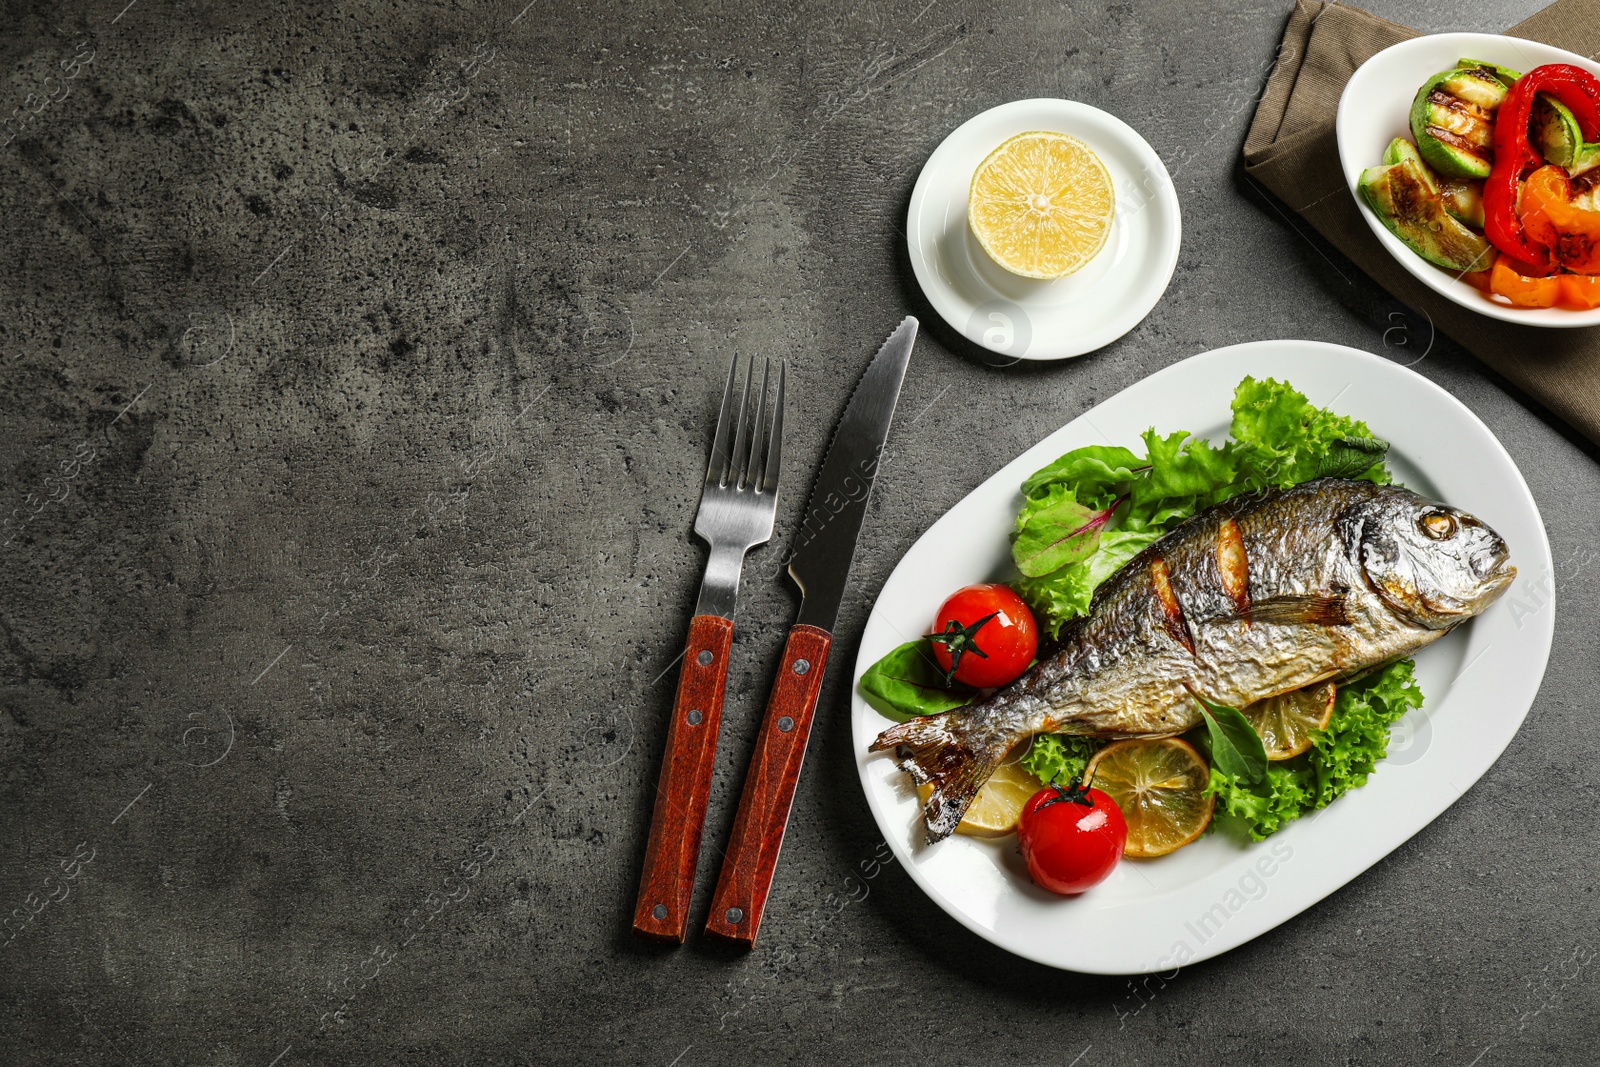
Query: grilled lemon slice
[[1286, 721], [1159, 783], [998, 805]]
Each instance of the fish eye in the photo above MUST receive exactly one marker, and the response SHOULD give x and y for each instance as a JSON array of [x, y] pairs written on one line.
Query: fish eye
[[1438, 525]]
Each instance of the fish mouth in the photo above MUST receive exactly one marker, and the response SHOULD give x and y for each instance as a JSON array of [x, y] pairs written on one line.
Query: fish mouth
[[1501, 575], [1493, 567]]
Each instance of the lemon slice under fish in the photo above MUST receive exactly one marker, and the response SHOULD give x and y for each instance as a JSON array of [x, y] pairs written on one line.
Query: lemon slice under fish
[[998, 805], [1159, 783], [1286, 721], [1041, 204]]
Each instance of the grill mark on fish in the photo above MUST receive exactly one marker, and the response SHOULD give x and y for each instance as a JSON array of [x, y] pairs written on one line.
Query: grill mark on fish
[[1171, 611], [1233, 563], [1337, 576]]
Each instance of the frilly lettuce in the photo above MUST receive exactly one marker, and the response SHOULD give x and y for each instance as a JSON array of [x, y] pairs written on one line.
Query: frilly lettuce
[[1059, 757]]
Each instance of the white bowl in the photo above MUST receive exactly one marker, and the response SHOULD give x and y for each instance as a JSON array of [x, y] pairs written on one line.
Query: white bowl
[[1376, 108]]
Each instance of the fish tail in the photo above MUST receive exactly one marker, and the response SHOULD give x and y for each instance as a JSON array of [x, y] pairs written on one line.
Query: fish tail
[[950, 752]]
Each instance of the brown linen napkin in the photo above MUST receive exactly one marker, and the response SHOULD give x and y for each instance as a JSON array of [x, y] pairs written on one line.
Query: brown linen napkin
[[1291, 149]]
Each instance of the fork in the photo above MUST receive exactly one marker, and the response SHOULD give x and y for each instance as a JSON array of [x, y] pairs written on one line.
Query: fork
[[737, 505]]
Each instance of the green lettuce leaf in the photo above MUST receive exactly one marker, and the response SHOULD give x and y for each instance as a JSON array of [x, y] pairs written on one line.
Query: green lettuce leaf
[[1357, 736], [1059, 757], [1186, 474], [1281, 439], [1092, 473], [1261, 811]]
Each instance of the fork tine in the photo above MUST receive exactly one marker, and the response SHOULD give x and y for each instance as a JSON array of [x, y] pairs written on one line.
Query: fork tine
[[716, 471], [752, 476], [772, 466], [737, 459]]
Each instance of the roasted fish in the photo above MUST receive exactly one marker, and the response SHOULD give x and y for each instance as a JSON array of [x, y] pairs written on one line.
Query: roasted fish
[[1256, 596]]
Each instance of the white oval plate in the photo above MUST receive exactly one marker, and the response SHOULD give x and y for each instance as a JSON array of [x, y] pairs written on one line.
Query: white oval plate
[[1376, 108], [1156, 915], [1026, 318]]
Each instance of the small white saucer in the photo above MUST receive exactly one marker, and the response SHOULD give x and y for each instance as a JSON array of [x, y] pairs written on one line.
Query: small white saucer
[[1025, 318]]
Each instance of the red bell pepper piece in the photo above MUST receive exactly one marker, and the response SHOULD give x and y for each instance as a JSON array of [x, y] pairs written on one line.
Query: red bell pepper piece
[[1515, 156]]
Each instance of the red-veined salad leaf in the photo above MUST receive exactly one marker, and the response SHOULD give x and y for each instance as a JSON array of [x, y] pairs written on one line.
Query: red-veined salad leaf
[[1062, 533]]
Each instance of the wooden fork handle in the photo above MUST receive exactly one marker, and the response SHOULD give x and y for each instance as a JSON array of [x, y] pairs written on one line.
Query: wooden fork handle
[[769, 785], [662, 912]]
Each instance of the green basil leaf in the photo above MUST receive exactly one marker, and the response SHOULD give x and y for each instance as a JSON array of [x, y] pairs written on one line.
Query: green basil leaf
[[1236, 748], [909, 681], [1348, 457]]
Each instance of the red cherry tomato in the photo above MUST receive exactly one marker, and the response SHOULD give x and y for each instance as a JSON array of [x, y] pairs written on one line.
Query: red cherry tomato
[[987, 634], [1071, 838]]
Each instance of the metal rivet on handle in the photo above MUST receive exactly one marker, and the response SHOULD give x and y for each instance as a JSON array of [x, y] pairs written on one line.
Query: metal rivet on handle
[[705, 658], [694, 717], [659, 911], [786, 724], [736, 916], [801, 666]]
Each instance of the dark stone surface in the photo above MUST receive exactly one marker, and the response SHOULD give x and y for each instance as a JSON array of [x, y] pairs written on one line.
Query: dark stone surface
[[360, 362]]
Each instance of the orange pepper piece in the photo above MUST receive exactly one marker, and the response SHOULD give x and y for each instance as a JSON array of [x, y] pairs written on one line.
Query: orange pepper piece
[[1521, 290], [1571, 233], [1479, 279], [1580, 290]]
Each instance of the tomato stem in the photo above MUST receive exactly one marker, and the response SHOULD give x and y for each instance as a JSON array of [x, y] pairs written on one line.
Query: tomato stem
[[1076, 793], [958, 640]]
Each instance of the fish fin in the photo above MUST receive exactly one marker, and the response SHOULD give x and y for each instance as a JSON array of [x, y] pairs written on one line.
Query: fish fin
[[1313, 609], [947, 752]]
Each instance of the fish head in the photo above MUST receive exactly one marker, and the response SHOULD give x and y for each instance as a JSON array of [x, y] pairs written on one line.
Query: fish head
[[1432, 564]]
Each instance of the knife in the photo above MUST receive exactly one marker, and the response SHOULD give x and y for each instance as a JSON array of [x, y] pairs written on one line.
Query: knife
[[820, 566]]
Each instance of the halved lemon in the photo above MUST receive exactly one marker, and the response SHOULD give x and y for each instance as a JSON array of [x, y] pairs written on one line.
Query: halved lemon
[[1159, 783], [998, 805], [1286, 721], [1041, 204]]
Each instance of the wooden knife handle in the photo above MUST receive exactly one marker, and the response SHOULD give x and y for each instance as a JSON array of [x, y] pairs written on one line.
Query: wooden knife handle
[[662, 913], [769, 789]]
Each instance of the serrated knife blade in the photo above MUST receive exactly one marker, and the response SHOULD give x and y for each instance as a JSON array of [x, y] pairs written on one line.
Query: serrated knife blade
[[826, 540]]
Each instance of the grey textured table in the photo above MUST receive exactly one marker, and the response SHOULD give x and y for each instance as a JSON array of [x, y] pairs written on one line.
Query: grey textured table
[[358, 369]]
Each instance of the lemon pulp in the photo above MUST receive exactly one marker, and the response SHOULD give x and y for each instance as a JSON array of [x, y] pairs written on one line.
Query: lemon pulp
[[1041, 204], [1159, 784], [1286, 722]]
